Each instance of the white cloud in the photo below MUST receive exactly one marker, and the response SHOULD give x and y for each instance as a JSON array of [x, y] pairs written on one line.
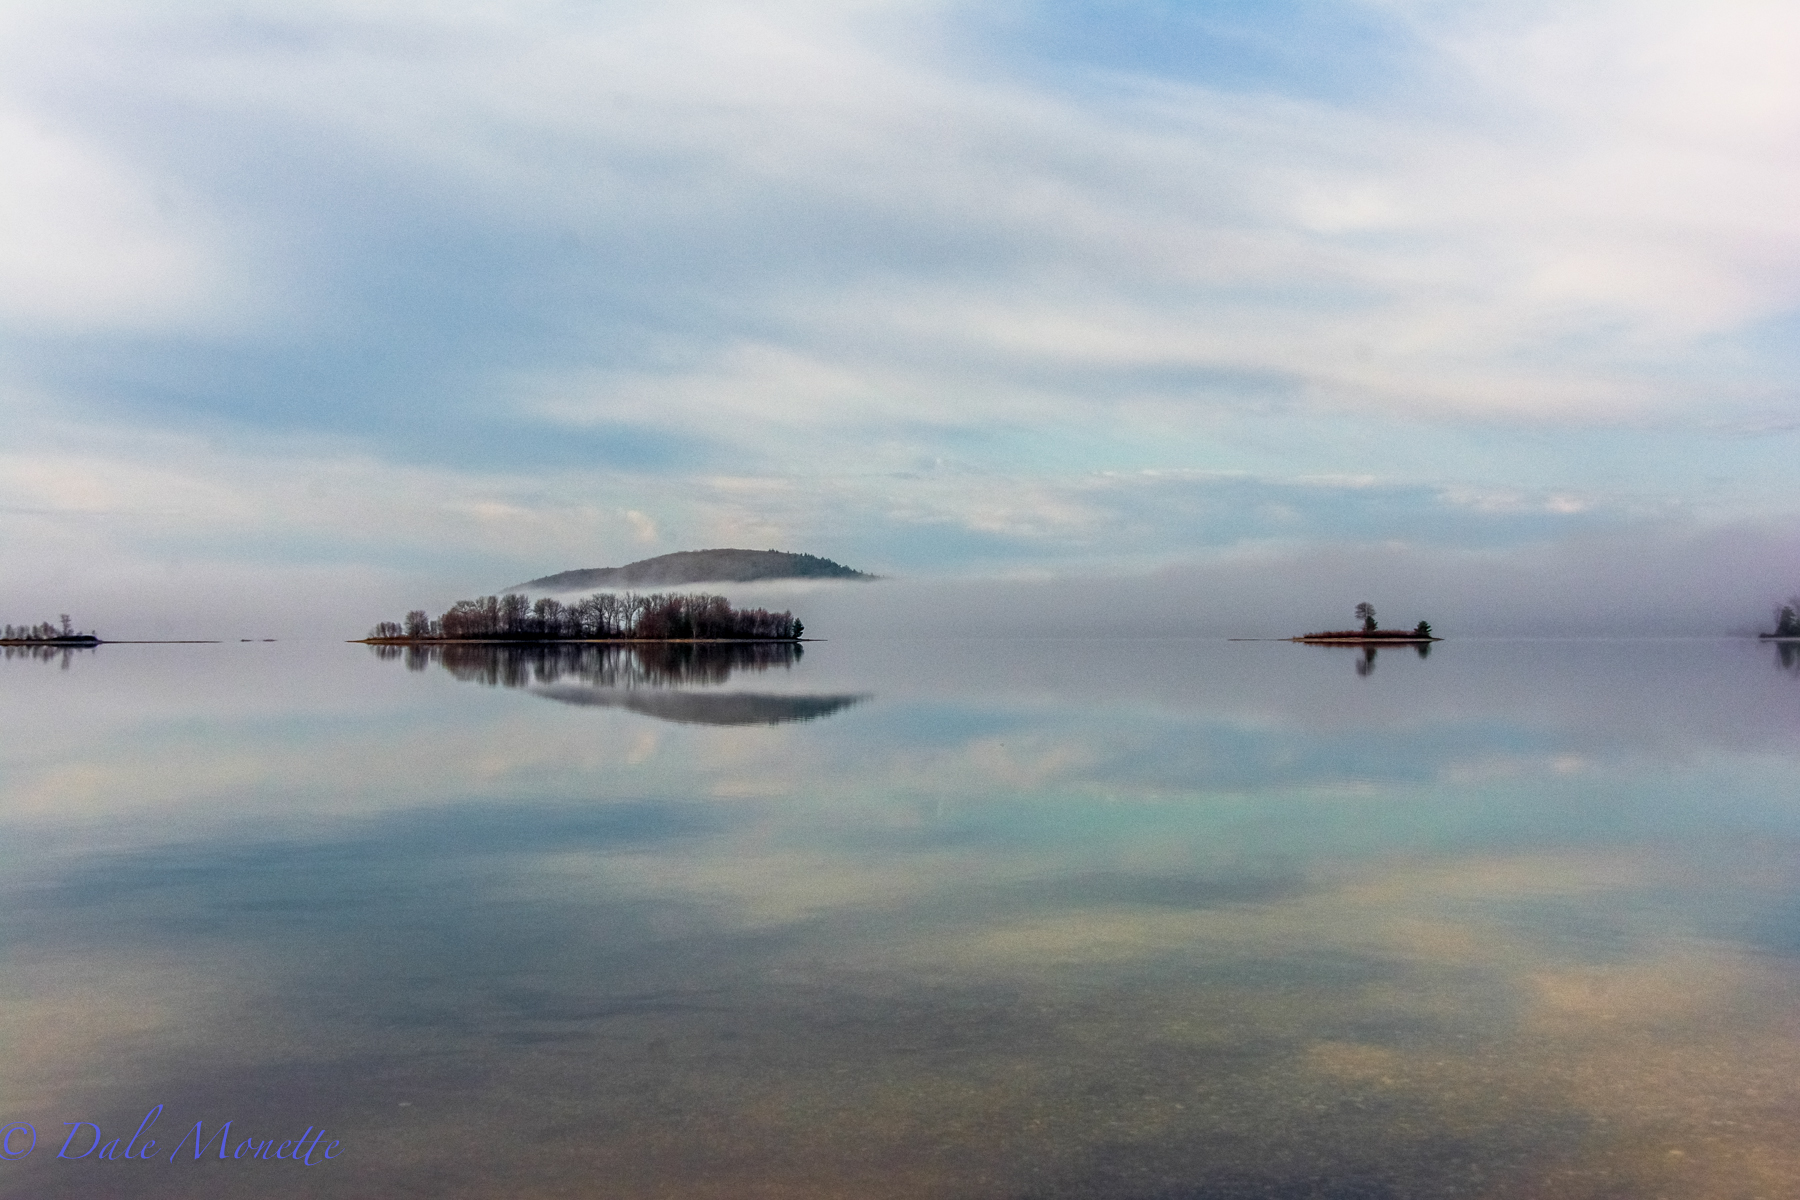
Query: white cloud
[[906, 284], [89, 243], [1606, 185], [642, 527]]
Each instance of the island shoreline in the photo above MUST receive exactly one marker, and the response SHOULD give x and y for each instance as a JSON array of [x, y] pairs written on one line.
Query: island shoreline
[[566, 641], [1363, 640]]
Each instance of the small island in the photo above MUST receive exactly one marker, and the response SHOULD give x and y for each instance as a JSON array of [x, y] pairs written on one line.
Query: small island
[[601, 617], [1787, 622], [46, 634], [1370, 633]]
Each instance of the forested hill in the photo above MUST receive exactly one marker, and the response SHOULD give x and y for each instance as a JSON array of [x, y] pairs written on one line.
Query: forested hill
[[696, 566]]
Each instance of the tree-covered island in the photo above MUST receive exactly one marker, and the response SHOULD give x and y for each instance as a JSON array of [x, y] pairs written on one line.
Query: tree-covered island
[[601, 617], [1370, 631], [46, 634]]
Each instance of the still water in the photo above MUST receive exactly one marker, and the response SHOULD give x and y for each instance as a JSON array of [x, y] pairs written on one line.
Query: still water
[[1011, 919]]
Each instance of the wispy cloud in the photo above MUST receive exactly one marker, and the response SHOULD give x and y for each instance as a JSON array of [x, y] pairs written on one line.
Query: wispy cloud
[[875, 274]]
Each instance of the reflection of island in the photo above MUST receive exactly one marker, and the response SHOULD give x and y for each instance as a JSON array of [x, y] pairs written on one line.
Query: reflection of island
[[1365, 662], [1365, 665], [651, 678], [48, 651], [1787, 654], [597, 664]]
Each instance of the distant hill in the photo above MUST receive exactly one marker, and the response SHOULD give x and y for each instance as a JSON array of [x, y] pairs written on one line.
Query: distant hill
[[695, 566]]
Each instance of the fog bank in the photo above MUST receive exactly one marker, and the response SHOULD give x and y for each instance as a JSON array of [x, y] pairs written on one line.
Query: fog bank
[[1660, 583]]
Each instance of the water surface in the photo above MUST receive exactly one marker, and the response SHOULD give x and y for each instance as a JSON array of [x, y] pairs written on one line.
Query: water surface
[[967, 919]]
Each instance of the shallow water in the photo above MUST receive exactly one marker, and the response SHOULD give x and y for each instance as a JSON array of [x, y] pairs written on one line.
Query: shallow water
[[965, 919]]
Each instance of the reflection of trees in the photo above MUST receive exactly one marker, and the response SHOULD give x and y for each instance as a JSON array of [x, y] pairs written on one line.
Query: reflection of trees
[[651, 664], [643, 677], [1365, 662], [1787, 655], [47, 653]]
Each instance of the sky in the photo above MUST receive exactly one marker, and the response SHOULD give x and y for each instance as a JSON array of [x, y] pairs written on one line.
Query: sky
[[313, 313]]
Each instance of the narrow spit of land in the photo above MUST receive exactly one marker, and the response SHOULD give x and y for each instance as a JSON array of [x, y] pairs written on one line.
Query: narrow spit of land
[[601, 617]]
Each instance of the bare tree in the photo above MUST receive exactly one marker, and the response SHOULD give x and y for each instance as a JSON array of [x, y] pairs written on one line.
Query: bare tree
[[1365, 612], [656, 617]]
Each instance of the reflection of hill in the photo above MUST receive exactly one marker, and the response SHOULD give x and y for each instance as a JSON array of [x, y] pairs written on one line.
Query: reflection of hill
[[644, 664], [703, 708]]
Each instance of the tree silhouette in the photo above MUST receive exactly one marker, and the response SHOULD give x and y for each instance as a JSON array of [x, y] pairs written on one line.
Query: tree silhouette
[[1365, 612], [600, 617], [44, 631]]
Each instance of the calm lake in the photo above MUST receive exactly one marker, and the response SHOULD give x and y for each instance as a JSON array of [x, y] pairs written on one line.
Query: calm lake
[[1159, 920]]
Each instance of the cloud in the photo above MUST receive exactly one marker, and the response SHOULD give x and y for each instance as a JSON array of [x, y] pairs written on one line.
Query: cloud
[[879, 281], [643, 528], [1529, 250], [91, 245]]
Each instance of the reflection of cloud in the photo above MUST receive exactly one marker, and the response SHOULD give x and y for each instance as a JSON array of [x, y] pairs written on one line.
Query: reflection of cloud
[[58, 1009], [956, 901], [1026, 760], [1679, 984]]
